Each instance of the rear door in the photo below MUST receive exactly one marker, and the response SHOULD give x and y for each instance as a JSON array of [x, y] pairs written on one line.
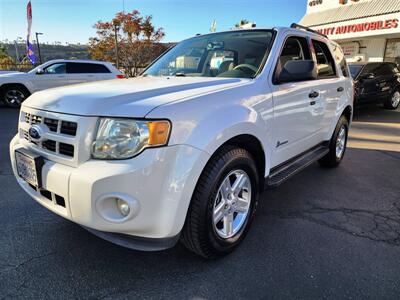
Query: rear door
[[332, 86], [86, 72], [369, 79], [297, 111], [387, 80]]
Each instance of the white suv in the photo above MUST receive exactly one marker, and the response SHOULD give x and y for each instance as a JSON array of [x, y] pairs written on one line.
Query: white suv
[[15, 87], [184, 151]]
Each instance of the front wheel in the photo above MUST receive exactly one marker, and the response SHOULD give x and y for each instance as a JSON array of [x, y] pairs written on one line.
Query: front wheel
[[13, 96], [223, 204], [394, 102], [337, 145]]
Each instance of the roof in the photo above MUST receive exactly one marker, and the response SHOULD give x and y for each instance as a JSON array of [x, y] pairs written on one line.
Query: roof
[[355, 11], [79, 61]]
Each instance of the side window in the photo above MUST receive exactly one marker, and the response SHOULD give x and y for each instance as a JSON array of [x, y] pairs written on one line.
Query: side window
[[370, 69], [59, 68], [378, 70], [85, 68], [325, 62], [339, 55], [295, 48]]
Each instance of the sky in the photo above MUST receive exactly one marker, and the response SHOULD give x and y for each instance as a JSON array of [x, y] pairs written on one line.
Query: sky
[[72, 20]]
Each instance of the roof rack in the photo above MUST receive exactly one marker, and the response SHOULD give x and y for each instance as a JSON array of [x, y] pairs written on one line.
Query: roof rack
[[298, 26]]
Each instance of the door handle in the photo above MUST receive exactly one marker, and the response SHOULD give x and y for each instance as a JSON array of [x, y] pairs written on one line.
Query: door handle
[[340, 89], [313, 95]]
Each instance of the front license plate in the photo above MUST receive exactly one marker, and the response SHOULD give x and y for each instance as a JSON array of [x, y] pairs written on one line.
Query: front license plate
[[29, 167]]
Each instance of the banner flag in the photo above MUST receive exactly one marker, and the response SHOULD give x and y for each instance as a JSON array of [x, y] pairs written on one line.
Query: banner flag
[[31, 53], [29, 46]]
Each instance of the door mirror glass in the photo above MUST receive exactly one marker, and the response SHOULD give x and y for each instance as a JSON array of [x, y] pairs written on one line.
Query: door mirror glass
[[298, 70]]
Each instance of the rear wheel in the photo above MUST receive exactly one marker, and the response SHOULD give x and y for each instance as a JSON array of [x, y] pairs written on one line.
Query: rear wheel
[[337, 145], [394, 102], [223, 204], [13, 96]]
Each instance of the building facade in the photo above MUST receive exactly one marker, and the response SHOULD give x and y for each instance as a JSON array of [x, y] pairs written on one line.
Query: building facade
[[367, 30]]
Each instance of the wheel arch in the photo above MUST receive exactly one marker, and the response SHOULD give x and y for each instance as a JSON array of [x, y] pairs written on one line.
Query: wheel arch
[[254, 146], [4, 87], [348, 113]]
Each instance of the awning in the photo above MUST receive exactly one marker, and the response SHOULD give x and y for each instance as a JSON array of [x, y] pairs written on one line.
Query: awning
[[355, 11]]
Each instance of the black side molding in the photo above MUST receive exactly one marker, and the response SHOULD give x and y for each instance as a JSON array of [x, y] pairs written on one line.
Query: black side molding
[[283, 172]]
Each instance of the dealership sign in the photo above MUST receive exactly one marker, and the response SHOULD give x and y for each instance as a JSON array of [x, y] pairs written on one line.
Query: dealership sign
[[360, 27]]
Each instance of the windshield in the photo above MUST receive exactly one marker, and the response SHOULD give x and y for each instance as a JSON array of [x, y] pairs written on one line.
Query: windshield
[[238, 54], [355, 70]]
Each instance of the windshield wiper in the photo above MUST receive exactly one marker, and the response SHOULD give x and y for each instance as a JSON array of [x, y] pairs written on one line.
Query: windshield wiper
[[180, 75]]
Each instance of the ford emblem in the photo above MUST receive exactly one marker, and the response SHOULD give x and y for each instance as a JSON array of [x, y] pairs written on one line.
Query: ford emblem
[[35, 132]]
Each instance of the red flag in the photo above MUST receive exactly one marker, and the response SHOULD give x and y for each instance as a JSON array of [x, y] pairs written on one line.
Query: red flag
[[29, 17]]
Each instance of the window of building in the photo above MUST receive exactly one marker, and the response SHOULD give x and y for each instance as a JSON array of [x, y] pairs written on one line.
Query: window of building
[[392, 52]]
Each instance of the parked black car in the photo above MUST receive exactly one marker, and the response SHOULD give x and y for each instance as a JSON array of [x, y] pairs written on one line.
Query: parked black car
[[376, 83]]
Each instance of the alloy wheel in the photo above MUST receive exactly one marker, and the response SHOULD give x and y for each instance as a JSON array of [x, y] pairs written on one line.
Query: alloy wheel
[[396, 99], [341, 142], [232, 204], [14, 98]]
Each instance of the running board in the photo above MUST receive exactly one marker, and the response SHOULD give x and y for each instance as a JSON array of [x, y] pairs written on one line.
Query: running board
[[282, 173]]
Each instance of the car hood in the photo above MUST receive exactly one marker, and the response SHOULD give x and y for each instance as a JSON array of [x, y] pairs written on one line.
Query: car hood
[[126, 97]]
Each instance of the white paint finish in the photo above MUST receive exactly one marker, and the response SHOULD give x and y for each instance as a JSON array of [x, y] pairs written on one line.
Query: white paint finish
[[36, 82], [161, 180], [127, 97], [205, 113]]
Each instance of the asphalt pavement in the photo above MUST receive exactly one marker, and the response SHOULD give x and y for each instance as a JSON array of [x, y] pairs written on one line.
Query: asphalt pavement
[[331, 234]]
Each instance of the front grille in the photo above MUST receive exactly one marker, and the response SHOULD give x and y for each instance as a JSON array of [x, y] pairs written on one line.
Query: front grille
[[59, 200], [32, 119], [66, 149], [51, 124], [56, 127], [49, 145], [68, 128]]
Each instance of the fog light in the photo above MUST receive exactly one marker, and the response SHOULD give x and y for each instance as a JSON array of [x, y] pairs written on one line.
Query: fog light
[[123, 207]]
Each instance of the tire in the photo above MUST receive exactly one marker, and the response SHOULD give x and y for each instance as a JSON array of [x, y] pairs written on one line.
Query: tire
[[212, 239], [14, 95], [394, 101], [337, 145]]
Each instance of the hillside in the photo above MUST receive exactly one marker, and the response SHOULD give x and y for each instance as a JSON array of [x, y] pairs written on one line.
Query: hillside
[[52, 51]]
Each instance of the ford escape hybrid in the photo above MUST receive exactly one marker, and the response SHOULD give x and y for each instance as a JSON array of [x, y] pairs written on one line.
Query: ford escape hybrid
[[184, 151]]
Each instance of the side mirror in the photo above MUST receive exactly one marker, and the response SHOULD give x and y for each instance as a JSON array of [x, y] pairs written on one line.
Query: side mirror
[[298, 70], [39, 72], [367, 76]]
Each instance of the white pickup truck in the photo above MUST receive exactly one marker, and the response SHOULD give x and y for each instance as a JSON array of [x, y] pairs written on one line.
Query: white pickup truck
[[184, 151]]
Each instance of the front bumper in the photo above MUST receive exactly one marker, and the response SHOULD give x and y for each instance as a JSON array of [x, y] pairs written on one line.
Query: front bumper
[[158, 184]]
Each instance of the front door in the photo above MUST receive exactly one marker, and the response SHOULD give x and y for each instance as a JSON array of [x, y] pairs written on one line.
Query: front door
[[298, 108], [51, 76]]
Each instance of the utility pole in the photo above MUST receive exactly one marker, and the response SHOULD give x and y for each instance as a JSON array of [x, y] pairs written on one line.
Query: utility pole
[[116, 29], [16, 50], [38, 46]]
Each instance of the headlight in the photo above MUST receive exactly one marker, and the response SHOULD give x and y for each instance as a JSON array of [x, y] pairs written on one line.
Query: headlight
[[124, 138]]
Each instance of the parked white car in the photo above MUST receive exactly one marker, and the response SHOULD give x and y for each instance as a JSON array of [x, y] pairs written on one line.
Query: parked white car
[[184, 151], [15, 87]]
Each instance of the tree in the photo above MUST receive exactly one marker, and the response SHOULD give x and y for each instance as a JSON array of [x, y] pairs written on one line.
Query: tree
[[241, 23], [138, 41]]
